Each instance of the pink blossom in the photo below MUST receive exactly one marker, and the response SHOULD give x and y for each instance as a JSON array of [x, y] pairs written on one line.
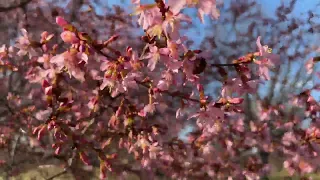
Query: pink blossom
[[309, 66], [208, 7], [69, 37], [155, 55], [24, 45], [45, 37], [176, 5], [273, 59], [148, 109], [268, 60], [61, 21], [149, 14], [5, 52], [207, 118], [161, 107], [264, 68], [236, 85], [289, 138], [45, 60], [171, 25], [163, 85], [135, 1], [140, 99], [71, 60], [130, 81]]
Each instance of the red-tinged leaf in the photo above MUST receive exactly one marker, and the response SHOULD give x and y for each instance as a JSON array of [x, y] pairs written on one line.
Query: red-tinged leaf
[[55, 145], [106, 143], [36, 130], [119, 111], [84, 37], [200, 87], [48, 91], [41, 132], [84, 158], [45, 84], [103, 171], [57, 151], [50, 126], [121, 143], [70, 28], [49, 37], [112, 156], [129, 51], [55, 133]]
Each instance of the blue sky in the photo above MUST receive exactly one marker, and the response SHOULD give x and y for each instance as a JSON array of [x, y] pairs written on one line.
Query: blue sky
[[268, 8]]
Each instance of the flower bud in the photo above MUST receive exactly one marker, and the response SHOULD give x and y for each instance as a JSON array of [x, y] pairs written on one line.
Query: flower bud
[[60, 21], [50, 126], [69, 37]]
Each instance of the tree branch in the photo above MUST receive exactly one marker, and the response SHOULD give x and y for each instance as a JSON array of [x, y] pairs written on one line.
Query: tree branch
[[59, 174]]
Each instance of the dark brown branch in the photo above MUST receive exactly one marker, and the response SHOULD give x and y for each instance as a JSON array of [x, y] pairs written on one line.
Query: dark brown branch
[[65, 169], [229, 64], [20, 5], [172, 94], [220, 65], [57, 175]]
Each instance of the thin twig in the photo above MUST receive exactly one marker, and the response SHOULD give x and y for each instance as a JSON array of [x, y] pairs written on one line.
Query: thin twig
[[59, 174], [228, 64], [173, 94], [13, 152], [66, 169]]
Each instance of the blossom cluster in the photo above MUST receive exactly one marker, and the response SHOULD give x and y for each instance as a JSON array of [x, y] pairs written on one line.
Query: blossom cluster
[[88, 99]]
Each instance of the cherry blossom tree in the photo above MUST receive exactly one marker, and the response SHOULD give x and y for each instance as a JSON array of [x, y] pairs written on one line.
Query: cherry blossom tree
[[86, 86]]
